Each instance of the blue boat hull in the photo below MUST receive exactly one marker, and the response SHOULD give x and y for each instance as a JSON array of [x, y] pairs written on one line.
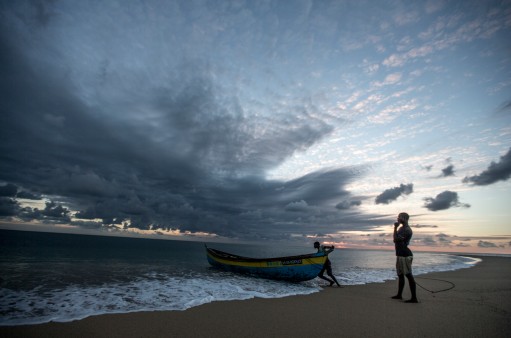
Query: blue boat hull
[[291, 268]]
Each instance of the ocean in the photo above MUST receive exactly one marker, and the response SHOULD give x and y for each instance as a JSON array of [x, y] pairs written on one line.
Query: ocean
[[62, 277]]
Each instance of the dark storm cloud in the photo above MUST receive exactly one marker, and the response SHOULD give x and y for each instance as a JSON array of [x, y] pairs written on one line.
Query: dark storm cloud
[[55, 211], [8, 190], [392, 194], [9, 206], [443, 201], [448, 171], [424, 226], [497, 171], [11, 190], [345, 205], [162, 146], [486, 244], [428, 241], [28, 195], [443, 238], [297, 206]]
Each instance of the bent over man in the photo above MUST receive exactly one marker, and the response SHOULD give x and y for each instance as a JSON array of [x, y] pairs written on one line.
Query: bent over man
[[328, 264]]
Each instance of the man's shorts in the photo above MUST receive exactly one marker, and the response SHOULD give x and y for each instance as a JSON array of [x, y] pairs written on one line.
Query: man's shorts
[[404, 265]]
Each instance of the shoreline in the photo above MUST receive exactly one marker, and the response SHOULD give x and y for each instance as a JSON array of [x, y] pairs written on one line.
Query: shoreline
[[478, 305]]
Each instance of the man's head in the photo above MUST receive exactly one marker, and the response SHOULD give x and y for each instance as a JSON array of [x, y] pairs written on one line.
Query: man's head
[[316, 245], [403, 218]]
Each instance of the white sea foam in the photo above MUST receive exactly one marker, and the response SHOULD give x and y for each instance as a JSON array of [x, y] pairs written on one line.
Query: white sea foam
[[146, 294], [427, 263]]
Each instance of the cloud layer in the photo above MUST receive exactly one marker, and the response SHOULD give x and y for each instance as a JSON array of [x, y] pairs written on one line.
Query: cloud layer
[[443, 201], [497, 171], [392, 194], [183, 155], [248, 120]]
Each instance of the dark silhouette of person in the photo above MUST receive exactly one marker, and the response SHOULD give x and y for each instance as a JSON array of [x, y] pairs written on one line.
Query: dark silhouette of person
[[328, 265], [404, 257]]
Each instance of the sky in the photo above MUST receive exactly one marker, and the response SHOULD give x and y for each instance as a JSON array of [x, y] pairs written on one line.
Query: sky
[[259, 121]]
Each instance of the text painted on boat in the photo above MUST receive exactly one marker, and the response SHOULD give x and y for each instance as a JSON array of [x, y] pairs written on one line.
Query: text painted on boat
[[286, 262]]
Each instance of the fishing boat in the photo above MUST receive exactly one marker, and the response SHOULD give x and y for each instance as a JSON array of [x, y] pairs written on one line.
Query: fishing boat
[[291, 268]]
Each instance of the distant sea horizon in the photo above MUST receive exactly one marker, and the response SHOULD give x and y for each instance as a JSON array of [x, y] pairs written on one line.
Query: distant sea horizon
[[214, 240]]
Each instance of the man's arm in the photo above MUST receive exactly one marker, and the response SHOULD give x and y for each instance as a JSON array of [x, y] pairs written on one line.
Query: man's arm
[[397, 238]]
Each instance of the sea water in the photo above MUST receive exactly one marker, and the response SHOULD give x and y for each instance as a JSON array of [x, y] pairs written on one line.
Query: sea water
[[61, 277]]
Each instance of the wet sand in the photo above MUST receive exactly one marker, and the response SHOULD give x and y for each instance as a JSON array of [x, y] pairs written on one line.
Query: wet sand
[[478, 306]]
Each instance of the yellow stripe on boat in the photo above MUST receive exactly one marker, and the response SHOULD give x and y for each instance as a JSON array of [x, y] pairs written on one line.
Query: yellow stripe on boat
[[268, 264]]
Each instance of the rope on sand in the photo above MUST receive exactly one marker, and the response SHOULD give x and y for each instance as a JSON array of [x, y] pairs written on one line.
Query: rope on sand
[[441, 280]]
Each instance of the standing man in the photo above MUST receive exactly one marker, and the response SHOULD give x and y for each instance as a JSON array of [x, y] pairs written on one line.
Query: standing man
[[404, 257], [328, 264]]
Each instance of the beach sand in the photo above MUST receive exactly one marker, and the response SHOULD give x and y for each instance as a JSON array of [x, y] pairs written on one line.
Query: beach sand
[[478, 306]]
